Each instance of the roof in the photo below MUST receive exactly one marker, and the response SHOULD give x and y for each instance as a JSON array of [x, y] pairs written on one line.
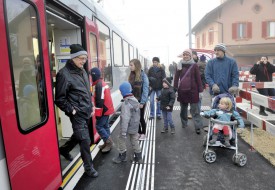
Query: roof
[[210, 16]]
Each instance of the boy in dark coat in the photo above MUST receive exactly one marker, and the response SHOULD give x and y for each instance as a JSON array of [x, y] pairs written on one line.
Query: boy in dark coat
[[167, 100]]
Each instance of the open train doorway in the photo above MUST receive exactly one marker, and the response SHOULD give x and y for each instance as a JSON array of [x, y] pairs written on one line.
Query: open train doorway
[[61, 34]]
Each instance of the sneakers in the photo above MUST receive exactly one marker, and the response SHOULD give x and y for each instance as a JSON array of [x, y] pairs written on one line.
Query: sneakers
[[173, 130], [66, 155], [151, 117], [92, 173], [159, 117], [142, 137], [164, 130], [263, 113]]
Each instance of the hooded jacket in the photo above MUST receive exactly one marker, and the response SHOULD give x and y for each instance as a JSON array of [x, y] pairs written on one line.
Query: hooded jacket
[[130, 115]]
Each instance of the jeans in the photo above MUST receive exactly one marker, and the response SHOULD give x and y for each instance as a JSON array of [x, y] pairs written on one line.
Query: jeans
[[167, 119], [103, 128], [152, 103], [194, 110]]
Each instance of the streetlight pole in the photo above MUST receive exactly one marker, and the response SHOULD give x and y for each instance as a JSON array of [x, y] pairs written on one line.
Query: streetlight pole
[[189, 24]]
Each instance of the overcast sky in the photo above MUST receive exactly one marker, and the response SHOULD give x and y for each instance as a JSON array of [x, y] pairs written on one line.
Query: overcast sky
[[158, 27]]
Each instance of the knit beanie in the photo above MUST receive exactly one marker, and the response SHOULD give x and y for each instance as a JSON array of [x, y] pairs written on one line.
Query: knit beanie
[[202, 58], [28, 89], [221, 47], [95, 73], [155, 59], [125, 89], [187, 51], [77, 50], [168, 80]]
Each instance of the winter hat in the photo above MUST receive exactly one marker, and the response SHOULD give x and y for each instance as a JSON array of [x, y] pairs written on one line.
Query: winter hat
[[221, 47], [202, 58], [95, 73], [125, 89], [194, 53], [168, 80], [155, 59], [187, 51], [28, 89], [77, 50]]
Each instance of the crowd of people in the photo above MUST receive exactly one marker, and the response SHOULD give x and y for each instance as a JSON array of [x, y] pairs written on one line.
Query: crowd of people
[[186, 82]]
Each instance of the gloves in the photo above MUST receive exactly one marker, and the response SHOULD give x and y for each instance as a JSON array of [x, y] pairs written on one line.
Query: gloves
[[200, 95], [233, 90], [215, 89]]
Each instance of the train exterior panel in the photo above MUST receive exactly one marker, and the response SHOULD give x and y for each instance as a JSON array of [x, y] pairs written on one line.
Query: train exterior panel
[[35, 39]]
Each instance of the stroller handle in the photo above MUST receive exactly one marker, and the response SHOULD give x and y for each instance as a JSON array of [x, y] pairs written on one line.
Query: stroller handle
[[224, 122]]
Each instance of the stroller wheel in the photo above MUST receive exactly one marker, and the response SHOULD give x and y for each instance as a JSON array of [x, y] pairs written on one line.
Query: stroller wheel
[[209, 156], [239, 159]]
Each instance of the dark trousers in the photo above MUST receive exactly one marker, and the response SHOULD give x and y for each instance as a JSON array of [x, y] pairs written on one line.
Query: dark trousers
[[266, 92], [81, 137], [142, 124]]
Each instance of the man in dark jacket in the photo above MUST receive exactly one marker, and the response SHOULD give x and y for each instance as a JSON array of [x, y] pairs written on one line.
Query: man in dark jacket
[[73, 96], [155, 75]]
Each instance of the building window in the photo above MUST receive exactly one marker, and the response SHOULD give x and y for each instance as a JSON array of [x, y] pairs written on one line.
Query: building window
[[268, 29], [211, 36], [198, 42], [241, 30], [203, 40]]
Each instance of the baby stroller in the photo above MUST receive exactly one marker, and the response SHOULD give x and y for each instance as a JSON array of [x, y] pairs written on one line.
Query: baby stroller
[[209, 155]]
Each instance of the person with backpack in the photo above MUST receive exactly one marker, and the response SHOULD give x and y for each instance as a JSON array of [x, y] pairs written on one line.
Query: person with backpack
[[140, 85], [130, 118]]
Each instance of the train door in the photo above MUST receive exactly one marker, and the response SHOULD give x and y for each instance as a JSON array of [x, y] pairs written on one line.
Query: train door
[[26, 101], [92, 36]]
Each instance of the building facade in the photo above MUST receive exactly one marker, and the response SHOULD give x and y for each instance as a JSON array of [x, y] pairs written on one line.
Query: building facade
[[247, 27]]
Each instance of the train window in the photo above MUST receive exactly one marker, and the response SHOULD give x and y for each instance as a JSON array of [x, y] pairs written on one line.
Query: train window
[[93, 50], [131, 49], [117, 49], [126, 58], [26, 65], [105, 50]]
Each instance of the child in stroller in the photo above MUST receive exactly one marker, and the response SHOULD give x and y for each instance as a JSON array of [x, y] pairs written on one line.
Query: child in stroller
[[225, 120]]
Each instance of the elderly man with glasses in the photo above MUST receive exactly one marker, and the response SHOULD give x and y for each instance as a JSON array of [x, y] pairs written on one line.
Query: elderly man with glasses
[[73, 96]]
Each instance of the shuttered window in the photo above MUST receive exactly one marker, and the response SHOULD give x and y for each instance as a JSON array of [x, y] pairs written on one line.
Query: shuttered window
[[241, 30], [268, 29]]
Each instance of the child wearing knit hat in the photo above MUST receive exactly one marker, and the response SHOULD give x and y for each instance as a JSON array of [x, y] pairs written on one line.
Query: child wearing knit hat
[[130, 117], [167, 100]]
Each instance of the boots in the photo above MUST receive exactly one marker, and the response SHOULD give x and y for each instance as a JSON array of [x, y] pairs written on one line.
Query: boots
[[108, 145], [121, 158], [214, 138], [226, 141], [92, 173], [138, 158], [102, 146]]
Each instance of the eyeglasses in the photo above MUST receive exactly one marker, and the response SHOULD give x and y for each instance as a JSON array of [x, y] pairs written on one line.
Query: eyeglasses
[[83, 58]]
